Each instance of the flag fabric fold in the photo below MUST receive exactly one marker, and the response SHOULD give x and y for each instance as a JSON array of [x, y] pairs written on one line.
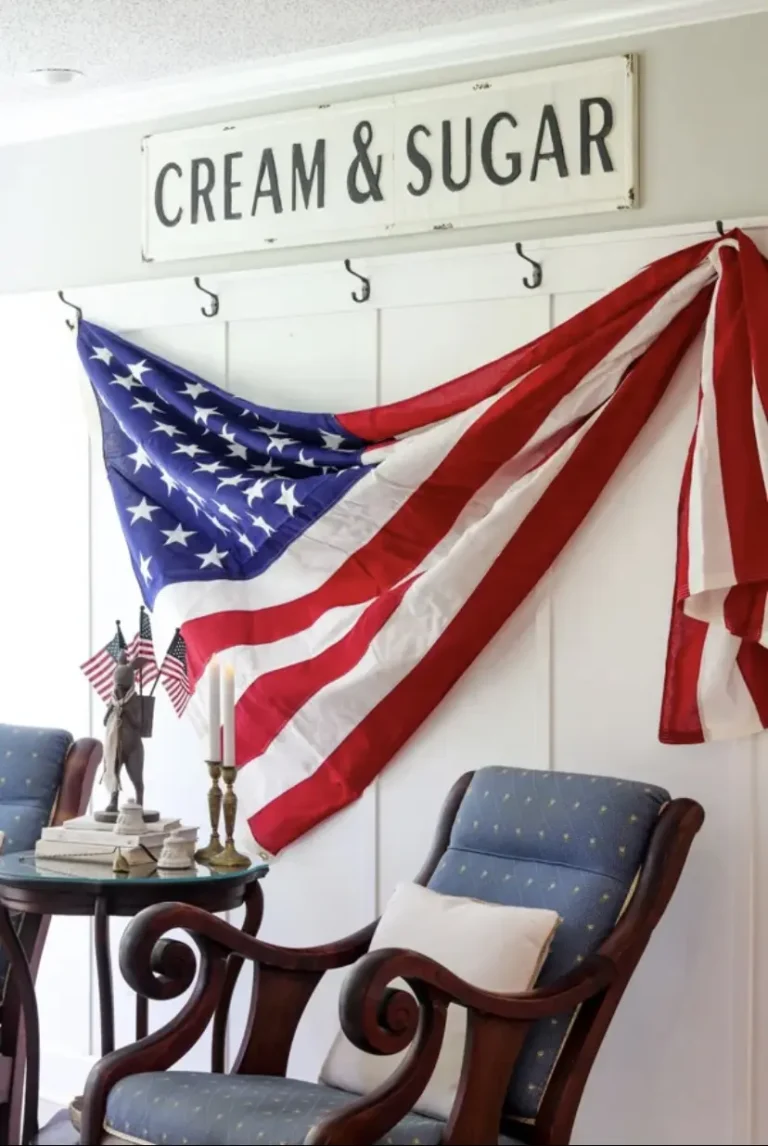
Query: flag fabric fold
[[352, 567]]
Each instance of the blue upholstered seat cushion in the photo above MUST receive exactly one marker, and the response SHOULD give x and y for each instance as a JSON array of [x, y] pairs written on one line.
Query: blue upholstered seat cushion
[[31, 765], [177, 1107], [561, 840]]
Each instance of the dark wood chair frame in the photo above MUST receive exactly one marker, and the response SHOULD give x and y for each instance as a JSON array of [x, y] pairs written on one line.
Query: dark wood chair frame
[[383, 1021], [23, 944]]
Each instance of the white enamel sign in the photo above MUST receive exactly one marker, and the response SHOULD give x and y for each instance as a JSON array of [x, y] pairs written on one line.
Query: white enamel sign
[[559, 141]]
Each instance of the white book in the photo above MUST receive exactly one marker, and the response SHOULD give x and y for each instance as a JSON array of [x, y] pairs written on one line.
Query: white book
[[105, 839], [92, 853], [88, 823]]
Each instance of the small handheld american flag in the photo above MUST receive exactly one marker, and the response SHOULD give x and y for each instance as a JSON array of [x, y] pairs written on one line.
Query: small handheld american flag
[[99, 669], [173, 673], [142, 646]]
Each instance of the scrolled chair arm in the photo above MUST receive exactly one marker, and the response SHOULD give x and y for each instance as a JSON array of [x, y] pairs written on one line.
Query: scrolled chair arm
[[372, 1028], [381, 1020], [161, 968]]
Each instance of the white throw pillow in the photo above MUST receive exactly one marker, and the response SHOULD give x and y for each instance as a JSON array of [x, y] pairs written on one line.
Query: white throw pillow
[[493, 947]]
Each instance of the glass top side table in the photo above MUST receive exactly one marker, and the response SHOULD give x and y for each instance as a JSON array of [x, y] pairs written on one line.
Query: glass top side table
[[55, 887]]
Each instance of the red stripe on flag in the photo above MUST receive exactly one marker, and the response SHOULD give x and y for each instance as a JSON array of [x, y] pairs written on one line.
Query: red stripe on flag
[[274, 698], [680, 721]]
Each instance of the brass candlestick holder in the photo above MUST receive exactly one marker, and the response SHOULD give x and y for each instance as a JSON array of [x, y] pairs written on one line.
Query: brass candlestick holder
[[229, 856], [205, 855]]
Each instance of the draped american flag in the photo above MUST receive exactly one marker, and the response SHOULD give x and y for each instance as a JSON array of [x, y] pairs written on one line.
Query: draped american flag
[[351, 567]]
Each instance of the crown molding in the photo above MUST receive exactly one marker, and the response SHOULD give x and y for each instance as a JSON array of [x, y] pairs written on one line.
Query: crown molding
[[557, 25]]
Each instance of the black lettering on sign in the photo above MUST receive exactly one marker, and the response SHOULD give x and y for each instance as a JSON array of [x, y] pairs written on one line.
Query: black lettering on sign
[[549, 126], [419, 160], [166, 220], [230, 184], [200, 192], [486, 152], [588, 136], [362, 138], [300, 175], [451, 183], [267, 185]]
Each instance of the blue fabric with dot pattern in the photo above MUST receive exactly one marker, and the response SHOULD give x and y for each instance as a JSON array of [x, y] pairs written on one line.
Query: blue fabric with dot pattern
[[566, 841], [31, 765], [178, 1108]]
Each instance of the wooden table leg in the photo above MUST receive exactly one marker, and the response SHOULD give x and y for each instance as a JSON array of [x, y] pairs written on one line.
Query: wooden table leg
[[254, 910], [19, 984], [104, 976]]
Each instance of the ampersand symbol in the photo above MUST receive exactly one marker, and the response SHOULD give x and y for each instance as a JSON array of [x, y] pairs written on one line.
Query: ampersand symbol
[[362, 137]]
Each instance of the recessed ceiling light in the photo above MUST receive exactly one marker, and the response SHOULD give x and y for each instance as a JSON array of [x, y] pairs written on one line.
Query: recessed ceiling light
[[54, 77]]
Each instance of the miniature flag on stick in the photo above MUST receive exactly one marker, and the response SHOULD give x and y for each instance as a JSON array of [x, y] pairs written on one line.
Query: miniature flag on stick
[[173, 673], [100, 667], [142, 646]]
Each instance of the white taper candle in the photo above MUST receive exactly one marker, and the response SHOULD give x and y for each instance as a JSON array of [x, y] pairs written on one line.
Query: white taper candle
[[214, 710], [228, 713]]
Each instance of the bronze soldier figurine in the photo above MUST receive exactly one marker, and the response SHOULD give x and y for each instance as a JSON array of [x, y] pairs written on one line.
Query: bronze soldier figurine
[[125, 723]]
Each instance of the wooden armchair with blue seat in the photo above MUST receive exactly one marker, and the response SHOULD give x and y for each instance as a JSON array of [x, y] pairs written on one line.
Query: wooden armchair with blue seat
[[606, 854], [45, 778]]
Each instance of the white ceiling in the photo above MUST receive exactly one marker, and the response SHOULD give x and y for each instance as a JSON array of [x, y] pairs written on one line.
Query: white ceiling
[[129, 41], [148, 60]]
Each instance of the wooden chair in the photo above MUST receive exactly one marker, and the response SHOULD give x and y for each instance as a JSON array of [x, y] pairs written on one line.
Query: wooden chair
[[605, 853], [45, 778]]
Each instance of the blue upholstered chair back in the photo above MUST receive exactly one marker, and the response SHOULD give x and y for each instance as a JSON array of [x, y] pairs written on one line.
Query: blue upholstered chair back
[[31, 767], [560, 840]]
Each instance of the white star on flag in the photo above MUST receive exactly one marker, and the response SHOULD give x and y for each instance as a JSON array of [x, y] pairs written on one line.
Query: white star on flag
[[260, 523], [178, 536], [141, 458], [288, 498], [246, 541], [256, 490], [213, 557], [127, 381], [203, 413], [167, 428], [142, 511], [193, 390], [138, 369], [143, 404]]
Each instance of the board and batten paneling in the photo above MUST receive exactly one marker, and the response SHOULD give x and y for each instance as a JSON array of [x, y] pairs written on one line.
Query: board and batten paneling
[[573, 681]]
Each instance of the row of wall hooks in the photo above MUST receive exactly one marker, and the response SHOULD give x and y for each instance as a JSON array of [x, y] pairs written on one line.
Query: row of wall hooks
[[361, 294]]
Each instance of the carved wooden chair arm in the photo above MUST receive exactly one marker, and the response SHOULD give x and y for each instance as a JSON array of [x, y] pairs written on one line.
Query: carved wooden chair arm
[[380, 1020], [162, 968], [365, 993]]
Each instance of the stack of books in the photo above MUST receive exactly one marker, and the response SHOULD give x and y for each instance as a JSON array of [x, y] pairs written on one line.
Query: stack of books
[[85, 840]]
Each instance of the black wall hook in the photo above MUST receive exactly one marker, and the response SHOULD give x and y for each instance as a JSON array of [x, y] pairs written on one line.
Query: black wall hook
[[720, 228], [76, 309], [365, 289], [538, 274], [212, 308]]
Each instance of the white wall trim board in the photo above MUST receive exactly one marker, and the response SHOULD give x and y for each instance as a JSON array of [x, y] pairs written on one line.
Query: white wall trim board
[[561, 24]]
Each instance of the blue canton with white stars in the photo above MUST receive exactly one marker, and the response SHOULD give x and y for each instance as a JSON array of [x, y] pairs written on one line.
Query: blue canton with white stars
[[207, 485]]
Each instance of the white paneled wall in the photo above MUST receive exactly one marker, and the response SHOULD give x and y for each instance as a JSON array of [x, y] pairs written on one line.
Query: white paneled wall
[[573, 681]]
